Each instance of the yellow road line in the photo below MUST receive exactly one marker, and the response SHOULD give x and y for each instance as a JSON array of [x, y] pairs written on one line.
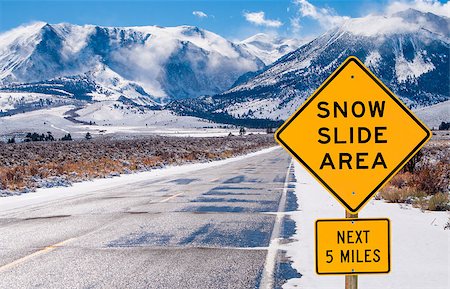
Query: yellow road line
[[170, 198], [50, 248], [35, 254]]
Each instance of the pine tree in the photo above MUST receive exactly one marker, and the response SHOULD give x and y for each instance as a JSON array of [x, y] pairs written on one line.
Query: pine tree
[[67, 137]]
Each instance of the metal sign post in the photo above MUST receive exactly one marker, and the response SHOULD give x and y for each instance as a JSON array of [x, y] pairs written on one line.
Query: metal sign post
[[351, 281]]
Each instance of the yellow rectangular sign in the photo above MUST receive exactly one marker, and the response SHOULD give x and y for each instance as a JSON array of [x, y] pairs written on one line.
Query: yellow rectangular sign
[[353, 246]]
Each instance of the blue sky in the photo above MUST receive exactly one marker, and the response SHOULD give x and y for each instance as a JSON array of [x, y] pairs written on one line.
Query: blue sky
[[232, 19]]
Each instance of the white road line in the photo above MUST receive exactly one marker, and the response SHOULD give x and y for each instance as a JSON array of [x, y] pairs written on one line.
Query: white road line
[[272, 250]]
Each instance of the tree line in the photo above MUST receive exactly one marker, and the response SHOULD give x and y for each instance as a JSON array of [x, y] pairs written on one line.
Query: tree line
[[36, 137]]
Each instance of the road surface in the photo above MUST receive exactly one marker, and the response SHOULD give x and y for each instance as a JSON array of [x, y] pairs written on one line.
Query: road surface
[[210, 228]]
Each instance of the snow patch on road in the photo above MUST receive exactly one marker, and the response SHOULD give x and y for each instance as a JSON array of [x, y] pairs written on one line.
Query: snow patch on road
[[269, 266], [420, 244]]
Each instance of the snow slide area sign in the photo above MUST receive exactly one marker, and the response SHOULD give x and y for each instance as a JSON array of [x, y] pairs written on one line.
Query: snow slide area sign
[[353, 134], [352, 246]]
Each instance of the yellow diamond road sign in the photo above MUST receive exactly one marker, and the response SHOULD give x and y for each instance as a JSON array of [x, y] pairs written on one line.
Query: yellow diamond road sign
[[353, 246], [353, 134]]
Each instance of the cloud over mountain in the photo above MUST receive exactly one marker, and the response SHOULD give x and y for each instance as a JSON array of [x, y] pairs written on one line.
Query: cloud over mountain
[[259, 18]]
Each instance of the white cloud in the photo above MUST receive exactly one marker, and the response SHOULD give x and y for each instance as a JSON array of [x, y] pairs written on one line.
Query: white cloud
[[327, 18], [295, 24], [144, 63], [199, 14], [432, 6], [373, 25], [259, 18]]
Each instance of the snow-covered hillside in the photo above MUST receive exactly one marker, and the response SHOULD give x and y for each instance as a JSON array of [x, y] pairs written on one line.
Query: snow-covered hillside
[[9, 101], [435, 114], [408, 51], [108, 118], [143, 64]]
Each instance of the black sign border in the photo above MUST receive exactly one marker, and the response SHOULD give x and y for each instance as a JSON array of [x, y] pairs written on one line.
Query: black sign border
[[353, 220], [397, 168]]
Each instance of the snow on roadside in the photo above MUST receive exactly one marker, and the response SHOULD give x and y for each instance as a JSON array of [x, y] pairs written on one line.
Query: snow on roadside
[[420, 245], [43, 195]]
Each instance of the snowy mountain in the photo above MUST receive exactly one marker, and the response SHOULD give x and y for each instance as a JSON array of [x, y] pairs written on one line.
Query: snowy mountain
[[145, 65], [186, 69], [408, 51], [269, 48]]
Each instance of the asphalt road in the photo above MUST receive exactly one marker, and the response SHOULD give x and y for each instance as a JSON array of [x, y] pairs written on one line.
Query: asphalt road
[[206, 229]]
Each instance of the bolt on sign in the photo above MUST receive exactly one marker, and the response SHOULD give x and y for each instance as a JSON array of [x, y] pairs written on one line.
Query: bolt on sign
[[353, 134], [352, 246]]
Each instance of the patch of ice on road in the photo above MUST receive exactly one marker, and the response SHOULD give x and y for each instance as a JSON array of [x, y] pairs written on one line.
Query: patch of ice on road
[[420, 245]]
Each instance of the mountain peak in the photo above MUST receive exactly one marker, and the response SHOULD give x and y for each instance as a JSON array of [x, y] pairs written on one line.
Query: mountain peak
[[259, 37], [403, 50], [193, 31], [426, 20], [406, 21], [46, 26], [22, 32], [414, 13]]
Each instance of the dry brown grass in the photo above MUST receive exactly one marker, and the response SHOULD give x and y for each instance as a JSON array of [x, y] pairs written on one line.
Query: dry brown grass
[[425, 181], [31, 165], [394, 194], [439, 202]]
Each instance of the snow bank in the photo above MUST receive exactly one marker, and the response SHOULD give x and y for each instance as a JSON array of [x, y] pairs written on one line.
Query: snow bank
[[420, 245]]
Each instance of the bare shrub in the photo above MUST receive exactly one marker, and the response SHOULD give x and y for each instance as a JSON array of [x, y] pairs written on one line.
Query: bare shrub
[[12, 177], [447, 225], [394, 194], [411, 165], [439, 202], [432, 178], [401, 180], [424, 181]]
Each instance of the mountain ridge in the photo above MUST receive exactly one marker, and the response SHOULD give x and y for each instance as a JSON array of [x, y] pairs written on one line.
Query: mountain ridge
[[146, 56], [198, 73], [405, 53]]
